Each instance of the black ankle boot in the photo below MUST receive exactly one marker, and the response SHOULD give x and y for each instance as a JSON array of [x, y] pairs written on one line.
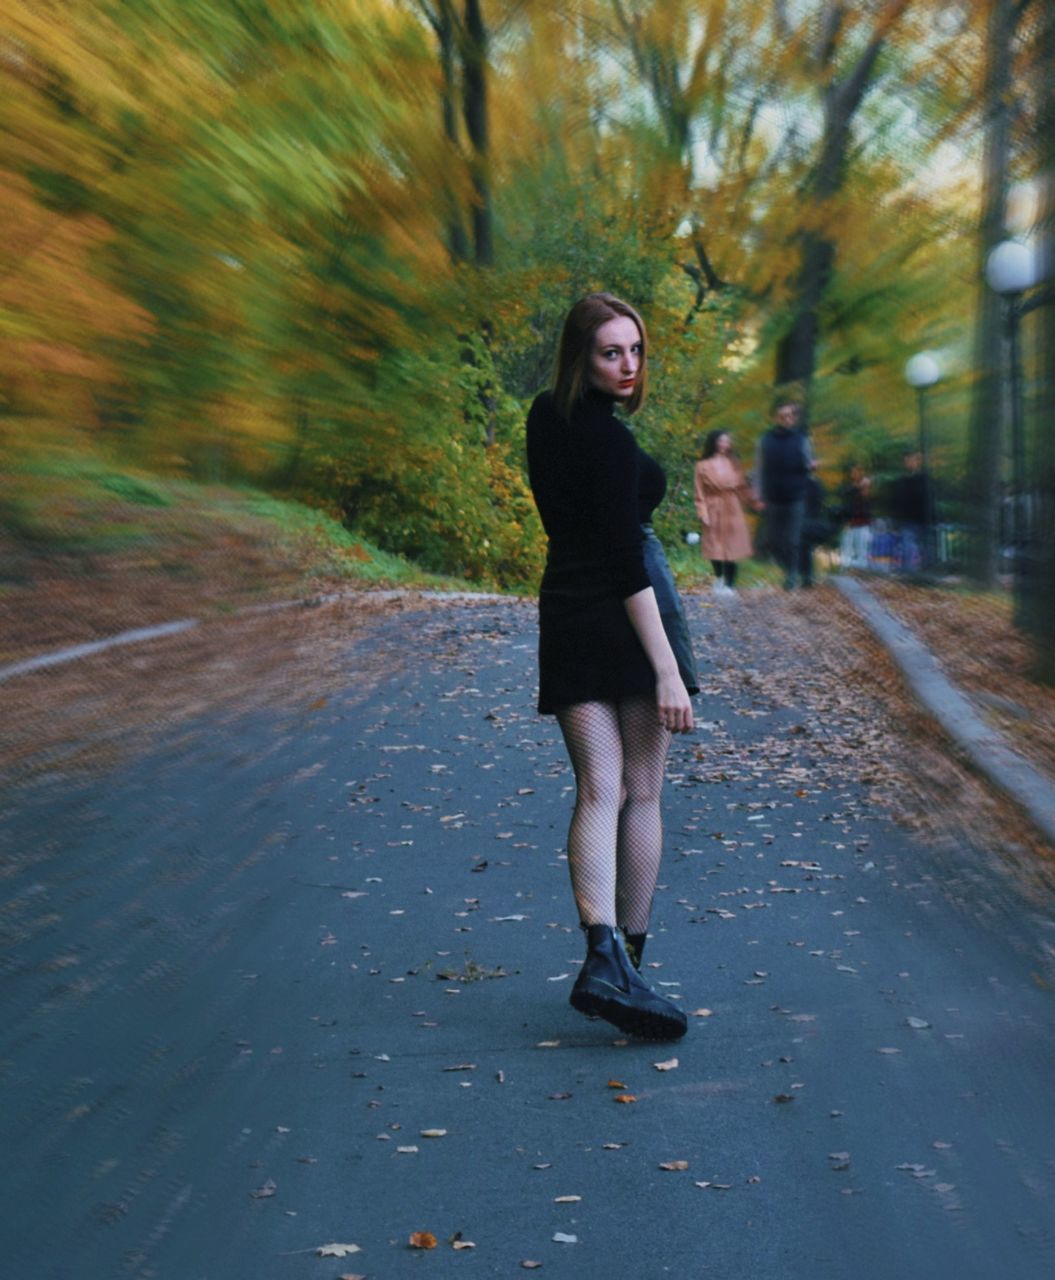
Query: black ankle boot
[[635, 947], [609, 987]]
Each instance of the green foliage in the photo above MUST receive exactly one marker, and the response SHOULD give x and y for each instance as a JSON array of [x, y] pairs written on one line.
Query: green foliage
[[134, 489], [447, 498], [229, 222]]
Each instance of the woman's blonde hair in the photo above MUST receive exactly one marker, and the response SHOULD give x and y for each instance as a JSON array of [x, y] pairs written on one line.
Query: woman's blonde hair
[[570, 381]]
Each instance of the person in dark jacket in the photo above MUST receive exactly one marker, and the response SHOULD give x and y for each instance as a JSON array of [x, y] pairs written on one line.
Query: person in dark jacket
[[615, 660], [910, 506], [782, 464]]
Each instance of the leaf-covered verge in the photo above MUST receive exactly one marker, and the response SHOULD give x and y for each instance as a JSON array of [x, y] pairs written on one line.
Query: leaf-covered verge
[[971, 634], [89, 550]]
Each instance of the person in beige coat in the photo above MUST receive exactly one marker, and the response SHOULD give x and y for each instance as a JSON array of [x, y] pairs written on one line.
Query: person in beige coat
[[722, 491]]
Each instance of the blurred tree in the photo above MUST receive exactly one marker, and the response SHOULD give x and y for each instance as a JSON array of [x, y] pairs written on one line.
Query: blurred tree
[[1036, 602], [840, 61], [329, 239], [463, 41], [988, 425]]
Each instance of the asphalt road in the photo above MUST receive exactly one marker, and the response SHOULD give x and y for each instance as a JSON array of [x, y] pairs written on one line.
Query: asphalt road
[[299, 978]]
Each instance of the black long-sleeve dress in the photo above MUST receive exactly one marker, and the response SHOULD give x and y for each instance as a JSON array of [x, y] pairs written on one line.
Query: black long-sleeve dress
[[595, 490]]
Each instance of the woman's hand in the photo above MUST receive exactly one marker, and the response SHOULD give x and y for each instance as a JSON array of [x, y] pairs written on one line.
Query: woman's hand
[[673, 705]]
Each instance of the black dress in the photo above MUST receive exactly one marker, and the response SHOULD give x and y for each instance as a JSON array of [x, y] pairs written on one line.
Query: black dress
[[595, 490]]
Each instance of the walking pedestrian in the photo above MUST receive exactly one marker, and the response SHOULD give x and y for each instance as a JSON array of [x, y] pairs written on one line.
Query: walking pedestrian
[[911, 503], [857, 533], [782, 462], [615, 662], [721, 490]]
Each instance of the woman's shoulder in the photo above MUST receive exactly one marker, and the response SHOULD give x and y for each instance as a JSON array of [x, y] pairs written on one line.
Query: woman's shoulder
[[543, 405]]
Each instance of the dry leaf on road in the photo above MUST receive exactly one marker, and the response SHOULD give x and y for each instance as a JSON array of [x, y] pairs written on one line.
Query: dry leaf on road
[[422, 1240], [336, 1250]]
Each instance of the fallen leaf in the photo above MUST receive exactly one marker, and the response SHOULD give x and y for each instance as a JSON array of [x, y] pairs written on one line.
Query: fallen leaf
[[547, 1044], [613, 1146], [462, 1066], [917, 1024], [566, 1199], [558, 1097], [434, 1133], [674, 1166], [406, 1151], [265, 1192], [422, 1240], [336, 1250], [348, 1276], [616, 1084], [702, 1013], [670, 1065], [529, 1265], [562, 1237], [462, 1244], [625, 1097]]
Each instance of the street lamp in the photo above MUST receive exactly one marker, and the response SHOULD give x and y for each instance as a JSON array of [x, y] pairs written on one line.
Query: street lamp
[[1010, 270], [921, 373]]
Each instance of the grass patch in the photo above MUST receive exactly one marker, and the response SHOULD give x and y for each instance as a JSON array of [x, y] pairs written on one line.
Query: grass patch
[[55, 503]]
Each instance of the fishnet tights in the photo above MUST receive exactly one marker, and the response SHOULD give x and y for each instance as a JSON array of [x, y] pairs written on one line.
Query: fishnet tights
[[618, 752]]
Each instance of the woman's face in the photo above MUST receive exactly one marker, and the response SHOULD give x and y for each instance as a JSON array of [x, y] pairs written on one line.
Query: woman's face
[[617, 358], [724, 443]]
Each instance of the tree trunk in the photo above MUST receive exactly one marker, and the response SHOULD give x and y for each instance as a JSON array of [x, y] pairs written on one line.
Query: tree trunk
[[1039, 597], [796, 357], [988, 411], [797, 349], [445, 27], [474, 107]]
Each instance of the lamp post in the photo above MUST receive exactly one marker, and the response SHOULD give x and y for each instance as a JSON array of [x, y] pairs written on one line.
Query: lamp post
[[1010, 271], [921, 373]]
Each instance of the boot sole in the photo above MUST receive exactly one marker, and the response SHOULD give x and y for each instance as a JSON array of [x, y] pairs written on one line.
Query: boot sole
[[601, 1001]]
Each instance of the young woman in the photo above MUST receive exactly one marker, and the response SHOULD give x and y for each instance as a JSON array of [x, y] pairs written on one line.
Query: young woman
[[615, 661], [721, 492]]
